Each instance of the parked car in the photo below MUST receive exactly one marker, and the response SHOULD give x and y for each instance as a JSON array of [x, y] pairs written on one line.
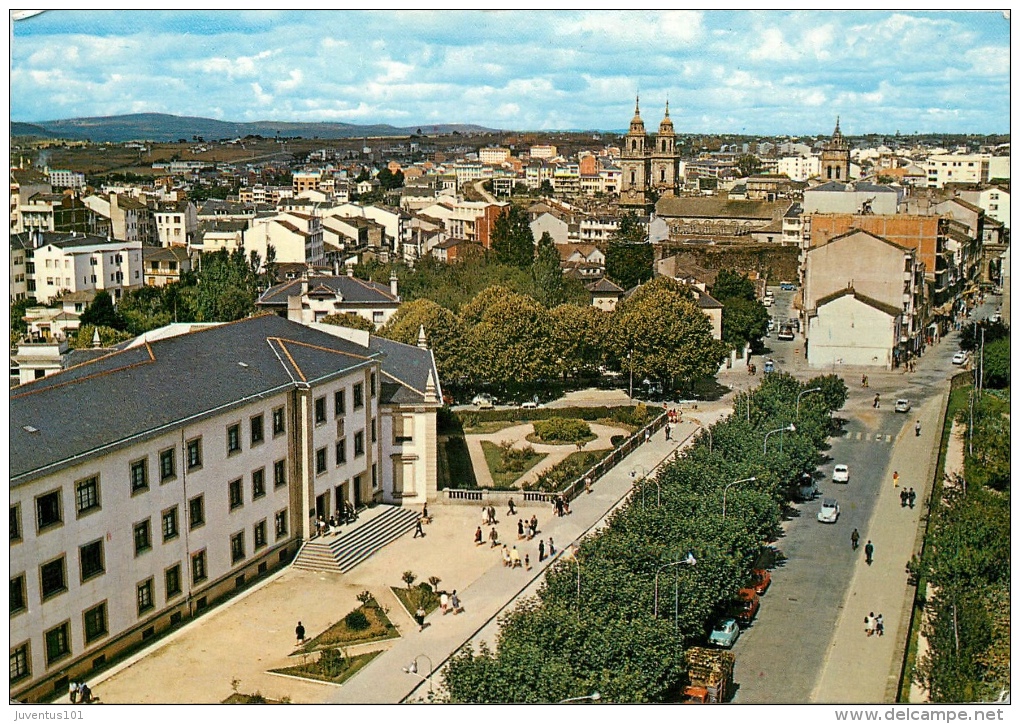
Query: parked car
[[530, 405], [902, 405], [787, 286], [725, 633], [761, 579], [746, 607], [482, 402], [767, 301], [786, 334], [808, 488], [960, 358], [770, 365], [841, 474], [829, 512]]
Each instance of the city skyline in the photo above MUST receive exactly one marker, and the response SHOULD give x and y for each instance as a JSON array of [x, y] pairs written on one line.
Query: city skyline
[[743, 72]]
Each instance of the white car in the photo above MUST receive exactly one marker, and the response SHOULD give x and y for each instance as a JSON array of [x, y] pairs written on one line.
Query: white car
[[530, 405], [767, 301], [960, 358], [482, 402], [902, 405], [841, 474], [785, 334], [829, 512]]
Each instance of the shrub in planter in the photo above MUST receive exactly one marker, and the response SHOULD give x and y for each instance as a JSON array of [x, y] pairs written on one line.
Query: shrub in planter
[[356, 620], [562, 429], [513, 459], [617, 440]]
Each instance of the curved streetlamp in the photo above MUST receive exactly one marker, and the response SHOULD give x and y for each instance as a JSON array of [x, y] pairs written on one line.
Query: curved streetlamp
[[745, 480], [644, 476], [573, 557], [801, 394], [412, 668], [688, 560], [765, 449], [594, 696]]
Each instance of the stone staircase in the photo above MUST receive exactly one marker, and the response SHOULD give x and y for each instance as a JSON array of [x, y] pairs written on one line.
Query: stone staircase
[[341, 553]]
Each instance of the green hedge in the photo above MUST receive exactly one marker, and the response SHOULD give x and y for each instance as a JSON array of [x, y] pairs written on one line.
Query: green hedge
[[562, 429], [638, 414]]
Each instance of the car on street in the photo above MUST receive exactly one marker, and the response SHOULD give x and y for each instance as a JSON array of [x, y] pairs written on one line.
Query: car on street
[[902, 405], [829, 512], [725, 633], [530, 405], [787, 286], [482, 402], [960, 358], [746, 607], [767, 301], [770, 365], [786, 334], [808, 489], [841, 474], [761, 579]]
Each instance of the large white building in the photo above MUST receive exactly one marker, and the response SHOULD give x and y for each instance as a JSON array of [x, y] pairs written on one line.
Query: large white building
[[168, 491]]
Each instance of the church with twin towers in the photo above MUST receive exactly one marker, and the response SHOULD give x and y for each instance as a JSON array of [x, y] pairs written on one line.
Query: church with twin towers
[[650, 165]]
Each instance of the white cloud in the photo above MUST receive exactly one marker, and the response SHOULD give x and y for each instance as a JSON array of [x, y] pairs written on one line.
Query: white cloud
[[294, 80], [261, 96]]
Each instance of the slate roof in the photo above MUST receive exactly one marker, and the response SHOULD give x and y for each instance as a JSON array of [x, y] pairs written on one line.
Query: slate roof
[[881, 306], [604, 286], [140, 390], [860, 186], [717, 207], [706, 301], [352, 289], [407, 367]]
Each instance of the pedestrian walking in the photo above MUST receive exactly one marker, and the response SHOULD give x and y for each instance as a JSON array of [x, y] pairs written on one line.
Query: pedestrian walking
[[419, 618], [72, 692], [541, 550], [85, 693], [299, 631], [454, 602], [917, 429], [552, 548], [520, 529], [911, 496], [493, 538], [667, 428], [870, 625], [869, 552], [534, 524], [444, 602], [425, 513], [527, 562], [515, 558], [418, 532], [864, 380], [867, 625], [896, 478], [648, 435], [855, 538], [478, 536], [875, 403], [492, 515], [587, 485], [903, 498], [510, 509], [879, 625]]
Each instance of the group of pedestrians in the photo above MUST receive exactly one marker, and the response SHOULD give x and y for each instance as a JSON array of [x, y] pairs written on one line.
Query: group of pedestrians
[[80, 693], [526, 529], [869, 548], [874, 625], [907, 497], [560, 506]]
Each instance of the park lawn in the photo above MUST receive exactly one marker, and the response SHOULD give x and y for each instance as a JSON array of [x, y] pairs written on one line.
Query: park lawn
[[379, 628], [327, 668], [505, 478], [487, 427], [409, 598]]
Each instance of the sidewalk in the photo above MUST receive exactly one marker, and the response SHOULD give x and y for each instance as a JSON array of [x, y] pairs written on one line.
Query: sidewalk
[[859, 668]]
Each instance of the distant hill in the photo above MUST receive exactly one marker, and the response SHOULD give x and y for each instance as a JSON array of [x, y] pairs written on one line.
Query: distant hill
[[164, 127]]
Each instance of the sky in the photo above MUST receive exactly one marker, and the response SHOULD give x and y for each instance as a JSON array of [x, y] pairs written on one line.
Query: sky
[[765, 72]]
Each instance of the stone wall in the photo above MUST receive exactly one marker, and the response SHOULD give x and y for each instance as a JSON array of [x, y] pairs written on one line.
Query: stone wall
[[770, 260]]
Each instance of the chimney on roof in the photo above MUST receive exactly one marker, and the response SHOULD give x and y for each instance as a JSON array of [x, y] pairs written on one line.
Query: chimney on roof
[[393, 284], [422, 343], [350, 271]]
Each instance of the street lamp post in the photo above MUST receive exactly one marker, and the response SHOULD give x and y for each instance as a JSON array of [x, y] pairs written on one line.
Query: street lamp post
[[765, 448], [688, 560], [412, 668], [573, 557], [644, 476], [801, 394], [630, 366], [745, 480], [594, 696]]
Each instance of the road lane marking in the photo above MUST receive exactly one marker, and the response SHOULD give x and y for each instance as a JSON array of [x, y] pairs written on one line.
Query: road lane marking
[[858, 436]]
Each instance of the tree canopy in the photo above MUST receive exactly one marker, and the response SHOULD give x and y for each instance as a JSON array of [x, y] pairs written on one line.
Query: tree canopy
[[629, 258], [512, 240]]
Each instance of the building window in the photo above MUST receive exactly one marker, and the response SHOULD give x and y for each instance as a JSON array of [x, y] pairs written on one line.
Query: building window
[[47, 509], [341, 451], [139, 475], [279, 473], [281, 524], [15, 524], [339, 403], [198, 572], [320, 410], [359, 443], [359, 395], [375, 477], [371, 384], [90, 559], [237, 547], [172, 578], [18, 602], [144, 596], [19, 663], [233, 439], [258, 483], [170, 526], [279, 426], [320, 461], [58, 643], [373, 429], [235, 494], [167, 465], [95, 623], [377, 318], [260, 534], [195, 453], [196, 511], [52, 578], [143, 537], [257, 431], [86, 494]]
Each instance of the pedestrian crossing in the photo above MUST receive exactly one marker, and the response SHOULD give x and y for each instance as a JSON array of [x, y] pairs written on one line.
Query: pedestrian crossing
[[861, 436]]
